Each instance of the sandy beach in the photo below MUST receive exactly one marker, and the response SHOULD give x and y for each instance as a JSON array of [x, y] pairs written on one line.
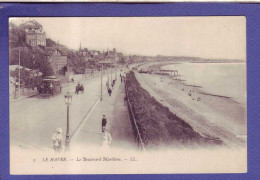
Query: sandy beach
[[212, 116]]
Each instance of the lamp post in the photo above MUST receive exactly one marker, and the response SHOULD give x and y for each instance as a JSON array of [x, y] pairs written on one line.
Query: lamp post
[[68, 100], [111, 75], [19, 93], [116, 73], [101, 81]]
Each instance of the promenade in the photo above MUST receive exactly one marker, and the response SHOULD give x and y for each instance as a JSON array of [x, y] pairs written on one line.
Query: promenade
[[89, 135]]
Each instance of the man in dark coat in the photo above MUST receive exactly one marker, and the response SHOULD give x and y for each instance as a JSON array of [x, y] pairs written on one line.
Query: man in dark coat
[[104, 122], [109, 91]]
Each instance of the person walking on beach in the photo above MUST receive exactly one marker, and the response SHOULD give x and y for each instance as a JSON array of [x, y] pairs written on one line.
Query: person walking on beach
[[104, 123], [57, 140], [106, 140], [109, 91]]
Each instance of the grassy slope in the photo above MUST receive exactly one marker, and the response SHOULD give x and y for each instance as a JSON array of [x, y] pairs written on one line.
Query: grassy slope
[[157, 125]]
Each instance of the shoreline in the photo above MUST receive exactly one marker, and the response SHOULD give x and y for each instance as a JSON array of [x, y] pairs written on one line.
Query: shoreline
[[209, 114], [171, 130], [157, 68]]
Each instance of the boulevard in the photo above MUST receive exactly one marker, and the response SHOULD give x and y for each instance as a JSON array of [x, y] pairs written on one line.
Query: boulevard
[[33, 120]]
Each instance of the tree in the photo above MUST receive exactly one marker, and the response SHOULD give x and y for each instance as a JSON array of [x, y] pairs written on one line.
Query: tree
[[42, 63], [24, 75], [17, 35], [31, 58], [50, 43], [122, 60]]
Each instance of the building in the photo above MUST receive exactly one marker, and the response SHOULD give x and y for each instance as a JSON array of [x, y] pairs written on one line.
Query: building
[[58, 60], [111, 55], [34, 33], [94, 53]]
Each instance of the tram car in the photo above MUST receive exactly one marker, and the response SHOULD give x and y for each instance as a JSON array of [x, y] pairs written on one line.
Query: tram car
[[50, 85]]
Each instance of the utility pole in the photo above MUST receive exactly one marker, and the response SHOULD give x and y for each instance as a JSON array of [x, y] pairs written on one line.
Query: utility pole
[[19, 93], [116, 73], [101, 80], [111, 75]]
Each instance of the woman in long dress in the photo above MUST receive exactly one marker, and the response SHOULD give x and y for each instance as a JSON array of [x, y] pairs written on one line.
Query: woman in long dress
[[57, 140], [106, 140]]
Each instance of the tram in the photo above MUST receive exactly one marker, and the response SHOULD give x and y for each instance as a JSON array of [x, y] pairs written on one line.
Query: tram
[[50, 85]]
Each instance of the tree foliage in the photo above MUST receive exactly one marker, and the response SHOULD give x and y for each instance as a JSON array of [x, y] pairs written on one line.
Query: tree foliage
[[50, 43], [16, 36], [31, 58], [24, 75], [76, 62]]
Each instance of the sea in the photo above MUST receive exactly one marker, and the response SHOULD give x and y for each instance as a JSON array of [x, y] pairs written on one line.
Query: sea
[[223, 79]]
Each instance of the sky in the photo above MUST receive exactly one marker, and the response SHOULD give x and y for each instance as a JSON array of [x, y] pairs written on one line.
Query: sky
[[216, 37]]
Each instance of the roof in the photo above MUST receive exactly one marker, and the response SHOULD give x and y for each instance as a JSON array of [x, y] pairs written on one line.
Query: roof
[[51, 77], [51, 80], [14, 67], [106, 62], [49, 51], [31, 24]]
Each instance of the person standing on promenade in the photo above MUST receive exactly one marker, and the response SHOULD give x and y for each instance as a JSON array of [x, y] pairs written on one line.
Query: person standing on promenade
[[106, 139], [57, 140], [109, 91], [104, 123]]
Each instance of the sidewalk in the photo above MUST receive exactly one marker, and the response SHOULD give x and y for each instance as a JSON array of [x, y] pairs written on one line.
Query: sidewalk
[[118, 123], [23, 95], [30, 93]]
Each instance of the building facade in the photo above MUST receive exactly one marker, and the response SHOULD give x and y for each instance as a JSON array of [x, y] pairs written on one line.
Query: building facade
[[58, 60], [34, 33]]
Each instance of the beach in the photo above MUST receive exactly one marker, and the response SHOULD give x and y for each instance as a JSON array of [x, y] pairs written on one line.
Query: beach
[[212, 116]]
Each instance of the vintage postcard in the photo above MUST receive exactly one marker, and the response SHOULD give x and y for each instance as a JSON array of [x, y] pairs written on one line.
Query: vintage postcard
[[128, 95]]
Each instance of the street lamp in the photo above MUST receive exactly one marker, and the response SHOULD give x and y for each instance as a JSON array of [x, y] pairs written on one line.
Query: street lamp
[[68, 100], [116, 72], [19, 68], [111, 75], [101, 81]]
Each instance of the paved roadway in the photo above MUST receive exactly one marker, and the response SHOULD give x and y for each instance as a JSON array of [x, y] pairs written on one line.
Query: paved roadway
[[33, 120]]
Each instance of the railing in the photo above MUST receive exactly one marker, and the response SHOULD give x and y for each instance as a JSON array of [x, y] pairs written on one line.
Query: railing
[[137, 133]]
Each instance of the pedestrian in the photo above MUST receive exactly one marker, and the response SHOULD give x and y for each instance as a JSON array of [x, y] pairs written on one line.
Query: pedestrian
[[109, 91], [125, 100], [107, 84], [104, 123], [57, 140], [106, 139]]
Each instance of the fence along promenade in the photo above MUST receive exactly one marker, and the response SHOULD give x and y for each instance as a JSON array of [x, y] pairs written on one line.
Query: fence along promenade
[[133, 121]]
